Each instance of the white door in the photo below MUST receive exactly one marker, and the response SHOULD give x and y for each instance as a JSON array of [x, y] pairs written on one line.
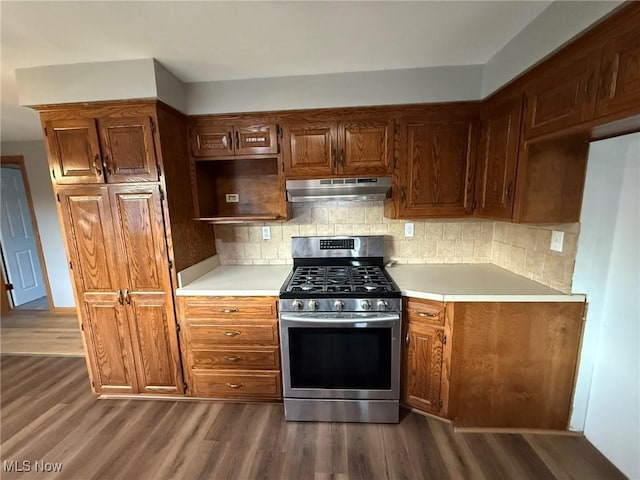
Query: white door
[[18, 243]]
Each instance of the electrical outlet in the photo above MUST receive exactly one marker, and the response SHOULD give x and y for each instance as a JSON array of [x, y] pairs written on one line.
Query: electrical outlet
[[232, 197], [408, 229], [266, 233], [557, 240]]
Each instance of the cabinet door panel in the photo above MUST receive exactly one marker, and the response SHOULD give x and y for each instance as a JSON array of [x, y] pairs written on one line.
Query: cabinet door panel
[[562, 98], [310, 149], [439, 168], [211, 139], [423, 367], [256, 139], [366, 147], [138, 216], [74, 151], [156, 343], [128, 149], [108, 341], [497, 159], [86, 214], [619, 86]]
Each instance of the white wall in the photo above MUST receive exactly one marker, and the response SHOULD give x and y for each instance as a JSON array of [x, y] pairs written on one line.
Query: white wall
[[607, 398], [550, 30], [385, 87], [44, 204]]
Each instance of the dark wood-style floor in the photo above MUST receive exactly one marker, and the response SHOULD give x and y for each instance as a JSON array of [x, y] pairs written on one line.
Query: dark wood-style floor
[[48, 414]]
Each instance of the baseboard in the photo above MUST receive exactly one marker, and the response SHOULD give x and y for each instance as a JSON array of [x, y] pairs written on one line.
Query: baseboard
[[64, 310], [519, 431]]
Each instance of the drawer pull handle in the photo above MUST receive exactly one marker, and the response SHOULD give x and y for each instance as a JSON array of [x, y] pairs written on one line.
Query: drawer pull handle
[[231, 334], [427, 314], [235, 385], [229, 310], [231, 359]]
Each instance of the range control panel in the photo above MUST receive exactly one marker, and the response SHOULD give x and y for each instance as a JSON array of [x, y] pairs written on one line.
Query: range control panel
[[337, 244]]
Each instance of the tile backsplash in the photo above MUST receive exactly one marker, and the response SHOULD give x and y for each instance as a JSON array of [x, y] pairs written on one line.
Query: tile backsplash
[[522, 249]]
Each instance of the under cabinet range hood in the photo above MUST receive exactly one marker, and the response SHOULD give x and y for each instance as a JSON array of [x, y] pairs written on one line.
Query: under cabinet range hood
[[342, 189]]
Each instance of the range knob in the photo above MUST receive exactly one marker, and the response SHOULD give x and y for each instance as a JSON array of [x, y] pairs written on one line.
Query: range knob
[[339, 305], [313, 305], [297, 305], [365, 304], [381, 305]]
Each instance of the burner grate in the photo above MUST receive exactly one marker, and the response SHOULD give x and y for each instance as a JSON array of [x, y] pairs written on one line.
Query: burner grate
[[339, 279]]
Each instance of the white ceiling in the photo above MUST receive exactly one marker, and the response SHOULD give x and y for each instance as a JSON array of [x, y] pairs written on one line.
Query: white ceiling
[[207, 41]]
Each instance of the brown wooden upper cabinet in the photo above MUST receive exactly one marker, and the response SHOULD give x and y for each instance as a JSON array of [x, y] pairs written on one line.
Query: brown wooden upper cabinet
[[101, 150], [497, 157], [436, 164], [326, 147], [219, 138]]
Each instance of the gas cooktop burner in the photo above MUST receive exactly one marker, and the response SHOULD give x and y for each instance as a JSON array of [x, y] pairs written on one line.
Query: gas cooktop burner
[[342, 279]]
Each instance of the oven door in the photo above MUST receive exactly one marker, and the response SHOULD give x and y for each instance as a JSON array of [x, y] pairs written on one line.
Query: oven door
[[341, 355]]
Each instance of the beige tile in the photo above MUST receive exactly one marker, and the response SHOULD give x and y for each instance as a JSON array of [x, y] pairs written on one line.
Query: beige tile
[[276, 233], [524, 236], [320, 215], [482, 259], [563, 287], [516, 259], [428, 248], [570, 245], [452, 231], [500, 254], [379, 229], [356, 214], [464, 248], [396, 230], [451, 260], [446, 248], [289, 231], [418, 229], [338, 215], [500, 232], [252, 250], [553, 270], [534, 262], [487, 230], [569, 266], [434, 260], [408, 249], [284, 250], [361, 229], [472, 231], [416, 260], [343, 229], [255, 234], [277, 261], [434, 230], [269, 250], [308, 230], [325, 229], [391, 248], [543, 240], [261, 261], [482, 248], [223, 232], [244, 261], [374, 214], [301, 215]]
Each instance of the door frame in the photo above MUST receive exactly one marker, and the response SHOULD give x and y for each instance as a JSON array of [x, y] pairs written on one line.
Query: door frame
[[17, 161]]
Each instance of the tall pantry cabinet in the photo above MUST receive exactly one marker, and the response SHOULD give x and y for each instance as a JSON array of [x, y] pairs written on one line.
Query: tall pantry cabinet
[[119, 177]]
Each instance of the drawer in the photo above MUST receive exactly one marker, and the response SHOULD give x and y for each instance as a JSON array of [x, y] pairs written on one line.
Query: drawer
[[229, 307], [424, 311], [233, 334], [237, 384], [247, 359]]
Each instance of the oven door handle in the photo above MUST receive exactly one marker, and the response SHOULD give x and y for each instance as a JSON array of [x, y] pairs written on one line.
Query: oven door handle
[[346, 320]]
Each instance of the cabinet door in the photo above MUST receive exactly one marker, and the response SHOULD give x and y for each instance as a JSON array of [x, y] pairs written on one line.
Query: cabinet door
[[437, 164], [251, 139], [619, 82], [74, 151], [211, 139], [310, 149], [497, 159], [366, 147], [562, 98], [128, 149], [86, 215], [422, 367], [137, 214]]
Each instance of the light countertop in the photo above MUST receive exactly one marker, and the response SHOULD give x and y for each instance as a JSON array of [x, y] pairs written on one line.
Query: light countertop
[[447, 282]]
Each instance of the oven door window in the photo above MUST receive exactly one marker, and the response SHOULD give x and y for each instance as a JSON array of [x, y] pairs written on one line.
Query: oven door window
[[340, 358]]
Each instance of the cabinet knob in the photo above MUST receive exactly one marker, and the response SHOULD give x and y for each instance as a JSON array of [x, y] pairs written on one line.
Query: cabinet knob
[[231, 334], [119, 294], [230, 358], [427, 314], [127, 297], [235, 385], [229, 310]]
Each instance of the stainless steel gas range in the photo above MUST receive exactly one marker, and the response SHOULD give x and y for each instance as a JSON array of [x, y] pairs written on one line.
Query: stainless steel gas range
[[340, 328]]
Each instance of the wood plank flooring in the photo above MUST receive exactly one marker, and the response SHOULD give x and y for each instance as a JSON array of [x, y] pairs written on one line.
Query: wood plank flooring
[[40, 333], [48, 414]]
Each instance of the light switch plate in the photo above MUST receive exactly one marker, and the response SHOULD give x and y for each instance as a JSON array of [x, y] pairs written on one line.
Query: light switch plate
[[232, 197], [266, 233], [557, 240], [408, 229]]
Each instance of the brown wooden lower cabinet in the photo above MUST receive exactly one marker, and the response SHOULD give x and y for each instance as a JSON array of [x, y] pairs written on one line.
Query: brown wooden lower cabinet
[[230, 347], [493, 364]]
